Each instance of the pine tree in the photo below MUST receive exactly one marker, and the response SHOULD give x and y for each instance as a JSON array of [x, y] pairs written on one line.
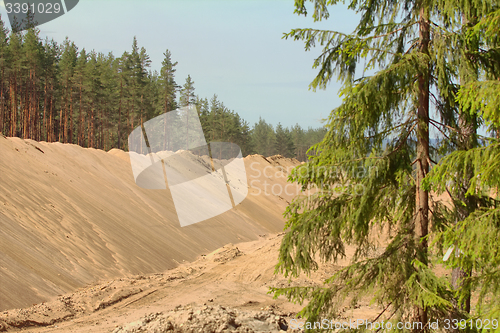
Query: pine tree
[[382, 129], [4, 72], [263, 138], [66, 70], [170, 87], [93, 89], [16, 66], [212, 127], [145, 107], [136, 64], [123, 74], [187, 98], [167, 78], [299, 143], [109, 79], [187, 93], [283, 142], [79, 84], [245, 142], [50, 63]]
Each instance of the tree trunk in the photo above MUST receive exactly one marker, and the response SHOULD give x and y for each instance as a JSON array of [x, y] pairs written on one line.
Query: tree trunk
[[45, 96], [165, 134], [142, 126], [51, 135], [101, 130], [90, 126], [70, 128], [103, 138], [13, 104], [423, 158], [120, 114], [65, 133], [26, 112], [61, 127], [80, 115], [2, 103]]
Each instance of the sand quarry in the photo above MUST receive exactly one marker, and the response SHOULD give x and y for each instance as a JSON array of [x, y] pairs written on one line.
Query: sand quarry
[[84, 249]]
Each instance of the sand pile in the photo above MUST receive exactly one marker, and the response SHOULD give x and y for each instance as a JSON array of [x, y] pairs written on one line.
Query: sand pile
[[71, 217]]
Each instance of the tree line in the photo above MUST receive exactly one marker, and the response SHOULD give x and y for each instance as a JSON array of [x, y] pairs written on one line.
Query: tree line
[[51, 92]]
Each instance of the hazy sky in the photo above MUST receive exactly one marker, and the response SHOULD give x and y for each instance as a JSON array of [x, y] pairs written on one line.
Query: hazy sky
[[232, 48]]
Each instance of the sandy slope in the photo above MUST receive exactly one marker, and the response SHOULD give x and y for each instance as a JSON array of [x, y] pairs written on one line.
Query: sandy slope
[[70, 217]]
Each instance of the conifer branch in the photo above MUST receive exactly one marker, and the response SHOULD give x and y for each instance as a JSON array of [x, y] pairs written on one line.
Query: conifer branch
[[412, 46], [410, 120], [404, 140], [388, 318], [381, 313], [439, 129], [448, 127], [392, 32]]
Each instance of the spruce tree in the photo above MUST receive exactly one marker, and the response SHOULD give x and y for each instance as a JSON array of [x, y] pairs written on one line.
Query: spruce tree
[[381, 129], [473, 170]]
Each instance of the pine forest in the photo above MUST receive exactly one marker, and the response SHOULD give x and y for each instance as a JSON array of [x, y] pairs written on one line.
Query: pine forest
[[51, 92]]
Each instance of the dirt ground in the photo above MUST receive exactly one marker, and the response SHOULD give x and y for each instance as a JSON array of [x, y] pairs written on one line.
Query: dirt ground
[[223, 291]]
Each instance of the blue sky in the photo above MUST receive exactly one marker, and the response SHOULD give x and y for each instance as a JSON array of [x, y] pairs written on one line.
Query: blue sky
[[232, 48]]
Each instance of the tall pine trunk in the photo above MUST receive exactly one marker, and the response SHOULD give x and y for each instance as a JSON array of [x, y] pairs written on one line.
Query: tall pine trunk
[[45, 134], [26, 110], [51, 134], [13, 104], [61, 127], [80, 123], [142, 125], [103, 137], [120, 114], [2, 103], [65, 133], [36, 115], [166, 136], [70, 127]]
